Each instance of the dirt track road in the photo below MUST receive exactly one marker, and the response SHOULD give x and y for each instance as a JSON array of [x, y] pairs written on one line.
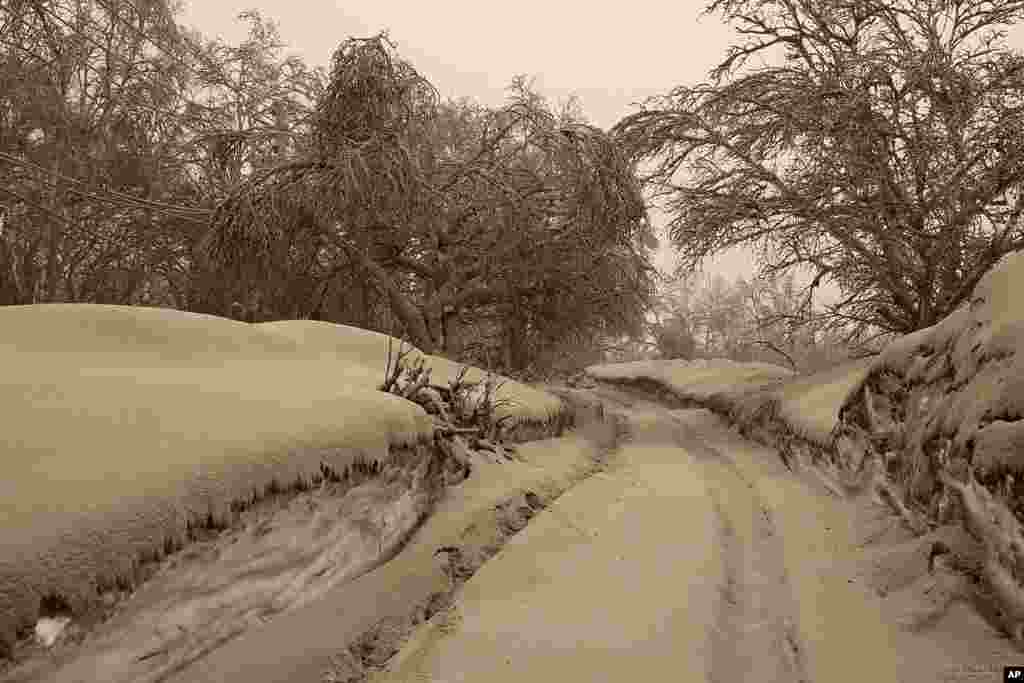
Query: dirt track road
[[697, 556]]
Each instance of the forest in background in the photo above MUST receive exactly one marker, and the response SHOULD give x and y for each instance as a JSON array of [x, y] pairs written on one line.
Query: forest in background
[[142, 163]]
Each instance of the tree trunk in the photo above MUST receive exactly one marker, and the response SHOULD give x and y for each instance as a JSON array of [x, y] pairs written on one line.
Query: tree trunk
[[55, 228], [452, 337], [514, 338], [400, 305], [29, 285]]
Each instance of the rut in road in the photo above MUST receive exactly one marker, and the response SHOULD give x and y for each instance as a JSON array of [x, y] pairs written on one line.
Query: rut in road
[[755, 635]]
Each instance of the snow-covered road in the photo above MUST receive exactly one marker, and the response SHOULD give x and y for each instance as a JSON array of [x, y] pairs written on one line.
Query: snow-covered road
[[697, 556]]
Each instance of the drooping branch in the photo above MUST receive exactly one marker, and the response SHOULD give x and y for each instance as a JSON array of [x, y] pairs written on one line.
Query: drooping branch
[[881, 132]]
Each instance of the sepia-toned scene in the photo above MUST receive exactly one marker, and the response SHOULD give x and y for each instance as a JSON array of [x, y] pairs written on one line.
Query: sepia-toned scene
[[451, 342]]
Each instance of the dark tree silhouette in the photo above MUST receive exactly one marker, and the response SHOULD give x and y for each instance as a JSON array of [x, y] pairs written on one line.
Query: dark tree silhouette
[[885, 152]]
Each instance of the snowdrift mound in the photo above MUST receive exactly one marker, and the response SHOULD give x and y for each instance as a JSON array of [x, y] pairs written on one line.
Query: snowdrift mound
[[806, 407], [132, 333], [717, 380], [767, 402], [127, 427], [939, 413], [366, 352]]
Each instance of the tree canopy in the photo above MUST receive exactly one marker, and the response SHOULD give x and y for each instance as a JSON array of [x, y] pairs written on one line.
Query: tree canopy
[[142, 163], [879, 145], [119, 132], [450, 210]]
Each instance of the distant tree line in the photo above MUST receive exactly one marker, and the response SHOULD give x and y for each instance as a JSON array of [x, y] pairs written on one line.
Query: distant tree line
[[747, 320]]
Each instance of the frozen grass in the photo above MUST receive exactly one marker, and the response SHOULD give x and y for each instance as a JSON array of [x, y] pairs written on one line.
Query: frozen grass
[[123, 424]]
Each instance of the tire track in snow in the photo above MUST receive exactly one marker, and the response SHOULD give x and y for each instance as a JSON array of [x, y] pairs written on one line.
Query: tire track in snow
[[755, 636]]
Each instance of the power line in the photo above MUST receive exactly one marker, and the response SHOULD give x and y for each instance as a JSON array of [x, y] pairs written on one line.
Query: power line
[[32, 205]]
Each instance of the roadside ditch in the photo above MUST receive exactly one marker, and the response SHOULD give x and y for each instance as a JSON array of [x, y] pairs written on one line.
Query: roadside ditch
[[288, 547], [370, 651]]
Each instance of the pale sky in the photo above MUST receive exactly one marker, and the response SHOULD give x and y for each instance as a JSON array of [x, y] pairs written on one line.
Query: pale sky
[[610, 55]]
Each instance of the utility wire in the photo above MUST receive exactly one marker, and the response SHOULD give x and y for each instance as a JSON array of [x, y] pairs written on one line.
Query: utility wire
[[32, 205]]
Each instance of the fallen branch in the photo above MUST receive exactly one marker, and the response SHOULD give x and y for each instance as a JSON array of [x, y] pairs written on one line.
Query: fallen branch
[[419, 383], [449, 429], [890, 496]]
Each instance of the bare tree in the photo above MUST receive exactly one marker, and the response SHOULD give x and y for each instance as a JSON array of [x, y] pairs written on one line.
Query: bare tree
[[885, 153], [745, 320], [118, 131], [536, 217], [143, 164], [83, 102]]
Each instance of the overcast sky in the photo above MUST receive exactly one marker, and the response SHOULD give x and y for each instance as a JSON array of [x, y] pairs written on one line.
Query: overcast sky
[[610, 55]]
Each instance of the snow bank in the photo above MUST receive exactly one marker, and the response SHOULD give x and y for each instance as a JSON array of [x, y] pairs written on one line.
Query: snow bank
[[697, 380], [810, 404], [941, 411], [806, 406], [123, 424], [367, 351], [956, 387], [526, 404], [124, 334], [340, 342], [702, 380], [752, 394]]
